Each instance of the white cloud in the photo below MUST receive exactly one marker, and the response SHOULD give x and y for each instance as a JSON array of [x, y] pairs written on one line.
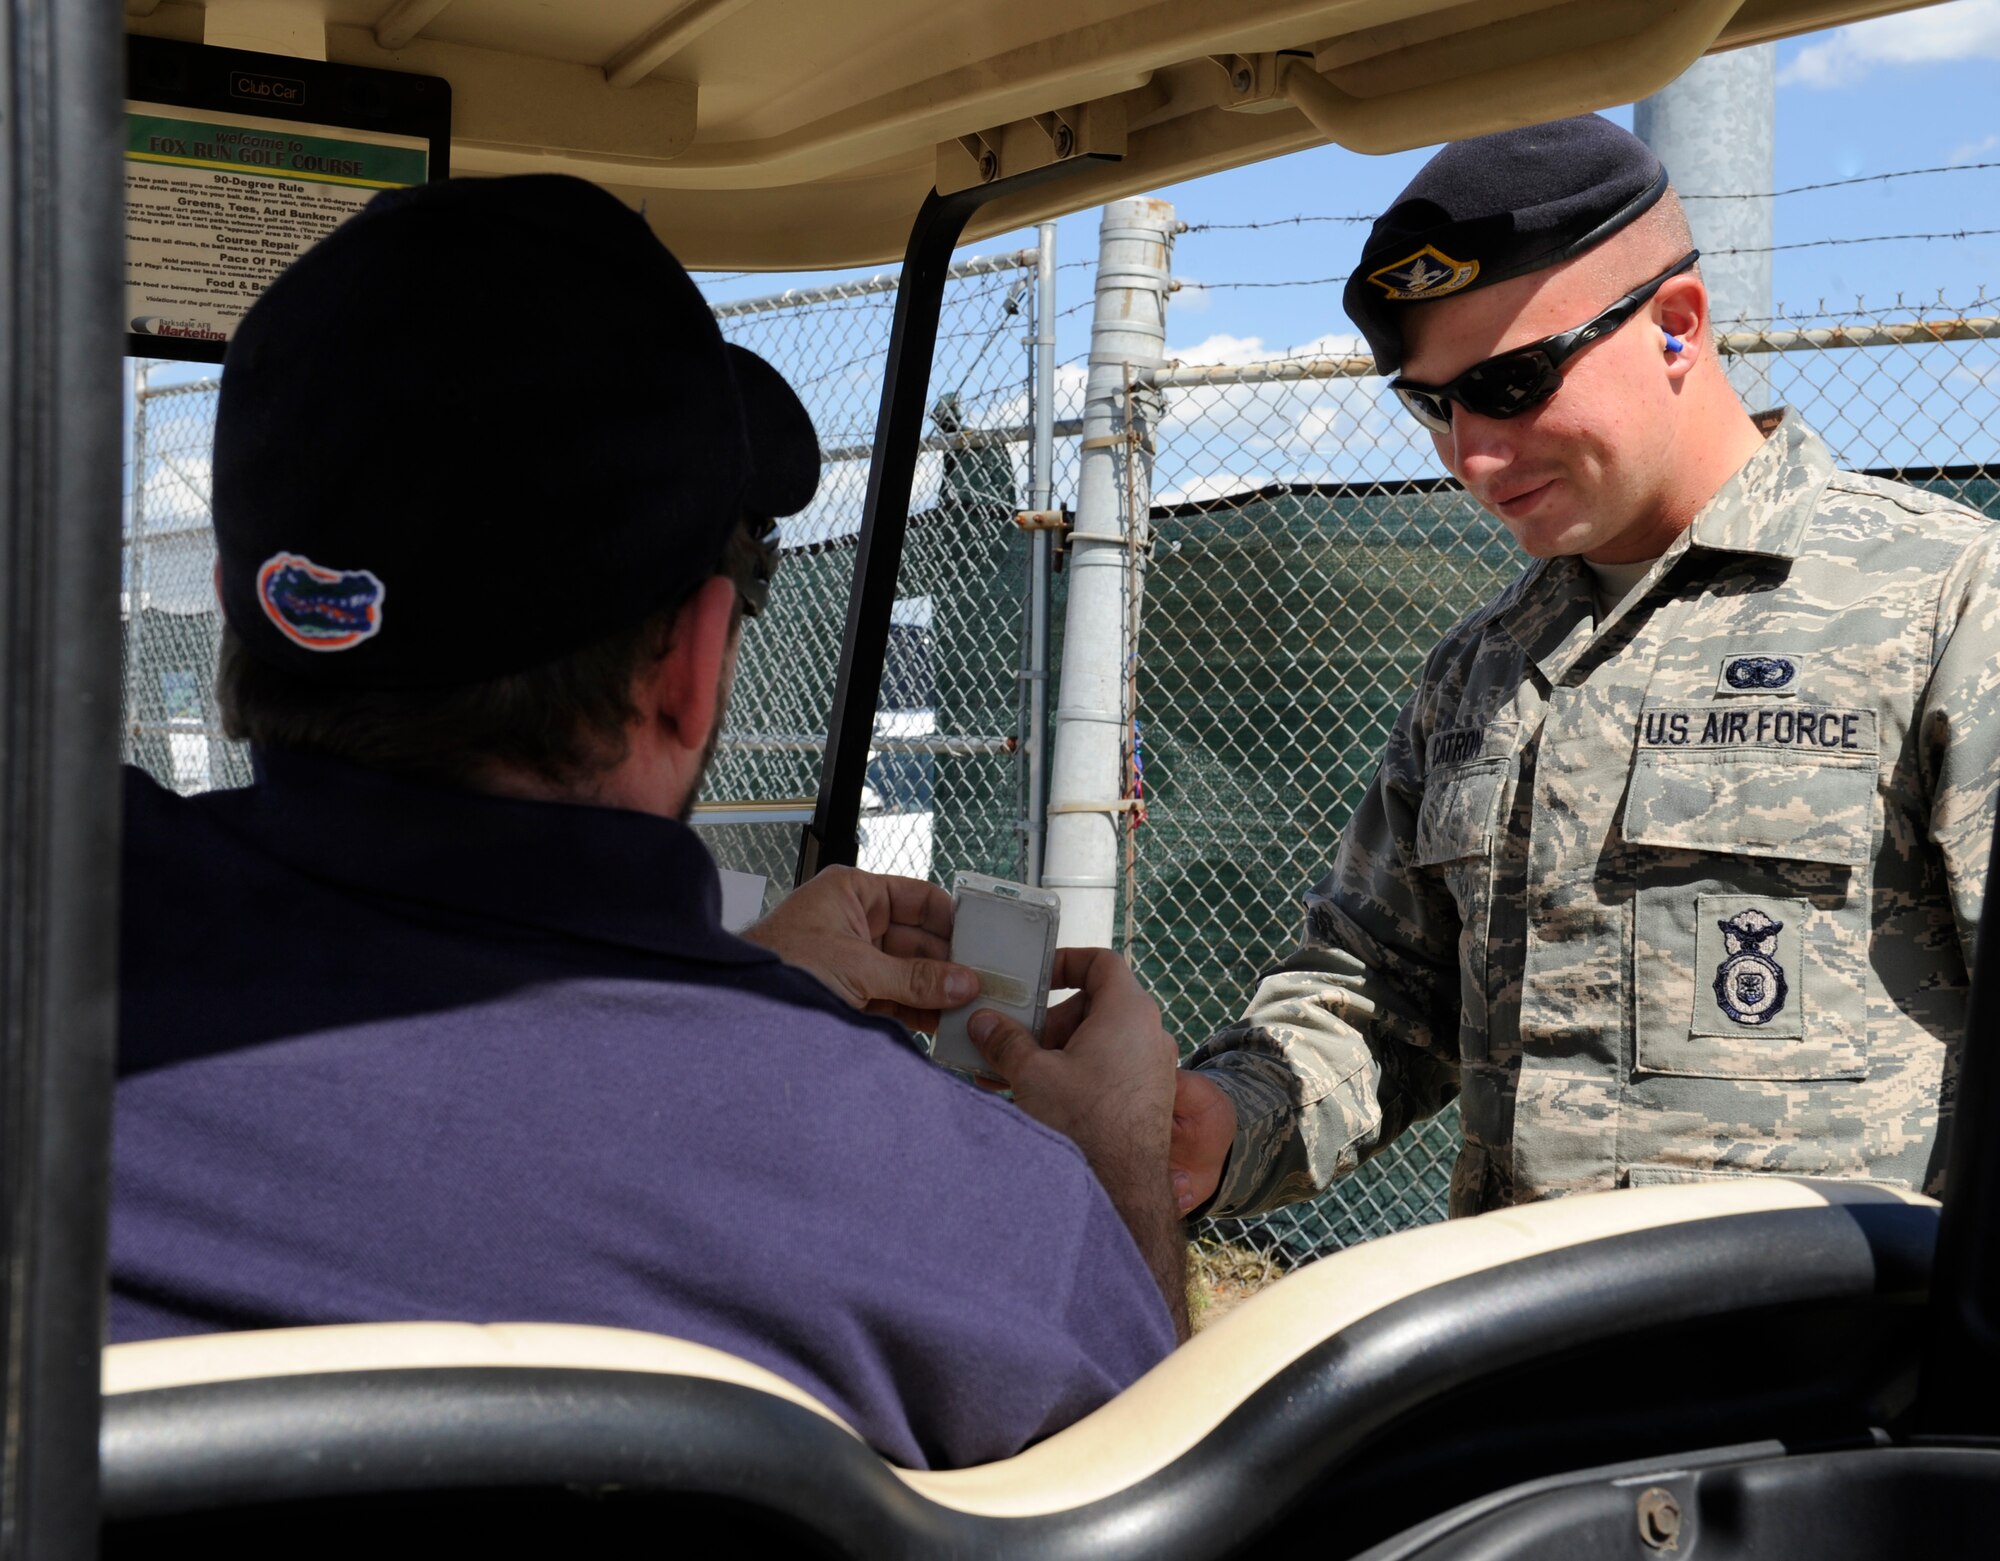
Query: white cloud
[[1975, 151], [1189, 297], [1212, 485], [1237, 350], [179, 484], [1963, 30], [1224, 438], [1222, 348]]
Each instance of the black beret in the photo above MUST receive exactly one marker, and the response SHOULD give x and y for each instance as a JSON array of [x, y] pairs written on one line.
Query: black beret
[[482, 424], [1495, 207]]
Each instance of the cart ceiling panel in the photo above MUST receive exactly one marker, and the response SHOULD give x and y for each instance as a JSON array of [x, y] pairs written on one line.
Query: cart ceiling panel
[[791, 134]]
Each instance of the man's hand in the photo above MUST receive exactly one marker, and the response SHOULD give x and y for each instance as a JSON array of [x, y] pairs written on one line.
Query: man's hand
[[1103, 1075], [1204, 1128], [878, 942]]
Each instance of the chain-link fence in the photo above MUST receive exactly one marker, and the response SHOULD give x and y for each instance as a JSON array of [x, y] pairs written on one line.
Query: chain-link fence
[[944, 788], [1304, 559], [944, 784], [172, 631]]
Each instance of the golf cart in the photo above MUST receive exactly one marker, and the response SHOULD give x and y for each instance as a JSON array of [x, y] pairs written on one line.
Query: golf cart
[[1758, 1367]]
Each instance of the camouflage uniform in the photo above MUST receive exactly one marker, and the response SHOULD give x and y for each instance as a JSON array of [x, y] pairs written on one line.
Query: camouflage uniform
[[1688, 893]]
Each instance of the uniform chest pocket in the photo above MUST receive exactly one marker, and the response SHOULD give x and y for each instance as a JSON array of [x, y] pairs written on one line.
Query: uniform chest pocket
[[1456, 829], [1460, 812], [1750, 920]]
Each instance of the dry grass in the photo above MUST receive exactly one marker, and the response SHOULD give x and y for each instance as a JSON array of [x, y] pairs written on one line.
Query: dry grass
[[1222, 1276]]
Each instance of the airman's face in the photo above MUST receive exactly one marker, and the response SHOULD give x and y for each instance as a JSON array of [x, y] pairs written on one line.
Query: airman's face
[[1586, 471]]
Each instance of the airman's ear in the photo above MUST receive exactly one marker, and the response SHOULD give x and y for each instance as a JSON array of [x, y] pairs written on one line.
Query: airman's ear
[[1680, 308]]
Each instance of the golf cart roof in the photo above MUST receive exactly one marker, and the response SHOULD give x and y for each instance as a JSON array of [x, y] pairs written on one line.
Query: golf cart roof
[[793, 134]]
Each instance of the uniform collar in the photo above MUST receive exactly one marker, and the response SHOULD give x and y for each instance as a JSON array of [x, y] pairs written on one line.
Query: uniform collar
[[1765, 508], [1550, 611], [604, 874]]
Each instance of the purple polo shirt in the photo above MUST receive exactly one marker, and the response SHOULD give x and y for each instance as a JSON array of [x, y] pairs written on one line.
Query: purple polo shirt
[[393, 1052]]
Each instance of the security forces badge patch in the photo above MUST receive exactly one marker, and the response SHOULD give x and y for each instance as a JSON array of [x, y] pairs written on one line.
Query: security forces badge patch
[[1429, 273], [1750, 984]]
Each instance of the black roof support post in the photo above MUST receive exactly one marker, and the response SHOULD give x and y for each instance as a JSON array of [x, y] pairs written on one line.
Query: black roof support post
[[1959, 1393], [61, 252], [831, 838]]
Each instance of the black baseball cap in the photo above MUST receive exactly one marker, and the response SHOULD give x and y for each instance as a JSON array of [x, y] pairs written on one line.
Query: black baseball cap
[[482, 424], [1494, 207]]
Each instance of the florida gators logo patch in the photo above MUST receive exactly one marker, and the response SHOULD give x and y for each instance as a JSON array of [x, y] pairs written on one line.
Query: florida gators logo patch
[[317, 607], [1429, 273]]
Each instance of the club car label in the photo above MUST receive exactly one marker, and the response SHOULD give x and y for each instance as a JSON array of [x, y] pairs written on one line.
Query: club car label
[[317, 607]]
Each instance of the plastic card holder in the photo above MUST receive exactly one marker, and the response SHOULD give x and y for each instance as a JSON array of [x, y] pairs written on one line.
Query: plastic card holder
[[1007, 933]]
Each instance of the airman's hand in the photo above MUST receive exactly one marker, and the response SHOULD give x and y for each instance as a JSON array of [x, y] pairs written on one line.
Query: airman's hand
[[1103, 1076], [1204, 1128]]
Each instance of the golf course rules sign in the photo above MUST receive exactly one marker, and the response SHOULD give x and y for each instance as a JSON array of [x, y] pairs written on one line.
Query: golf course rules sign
[[236, 163]]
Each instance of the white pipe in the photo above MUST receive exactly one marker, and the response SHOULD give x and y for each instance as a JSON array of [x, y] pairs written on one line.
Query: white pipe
[[1041, 496], [886, 282], [1128, 338], [1714, 128]]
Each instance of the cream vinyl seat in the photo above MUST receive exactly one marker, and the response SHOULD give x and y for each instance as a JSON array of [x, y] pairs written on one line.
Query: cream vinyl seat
[[1370, 1389]]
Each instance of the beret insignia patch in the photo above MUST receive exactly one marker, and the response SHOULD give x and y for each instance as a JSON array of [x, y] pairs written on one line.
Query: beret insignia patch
[[317, 607], [1429, 273]]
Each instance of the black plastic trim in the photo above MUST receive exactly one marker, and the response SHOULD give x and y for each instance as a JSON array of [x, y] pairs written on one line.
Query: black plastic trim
[[365, 1434], [832, 838], [586, 1434], [1323, 1410], [61, 221], [1961, 1380], [1849, 1504]]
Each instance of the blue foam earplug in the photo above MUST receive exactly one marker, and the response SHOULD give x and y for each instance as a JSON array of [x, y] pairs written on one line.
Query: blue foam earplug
[[1674, 343]]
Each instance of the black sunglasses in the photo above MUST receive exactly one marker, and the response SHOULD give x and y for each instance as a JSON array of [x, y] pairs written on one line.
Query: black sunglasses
[[750, 560], [1508, 383]]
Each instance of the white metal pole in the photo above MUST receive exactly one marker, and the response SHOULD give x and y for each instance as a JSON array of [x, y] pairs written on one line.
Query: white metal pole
[[1128, 337], [1714, 127], [1041, 496]]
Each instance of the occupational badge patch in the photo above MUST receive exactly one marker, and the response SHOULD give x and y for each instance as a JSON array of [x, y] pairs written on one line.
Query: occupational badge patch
[[317, 607], [1429, 273], [1750, 984], [1759, 674]]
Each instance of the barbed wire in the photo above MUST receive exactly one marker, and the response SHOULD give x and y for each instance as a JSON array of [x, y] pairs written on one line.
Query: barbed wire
[[1229, 287], [1835, 184], [1873, 238], [1764, 195], [1272, 222], [1758, 249]]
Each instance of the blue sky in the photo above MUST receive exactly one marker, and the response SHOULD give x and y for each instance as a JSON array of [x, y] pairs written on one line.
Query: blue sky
[[1916, 90]]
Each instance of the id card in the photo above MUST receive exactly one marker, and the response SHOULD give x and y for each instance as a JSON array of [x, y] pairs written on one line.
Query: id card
[[1007, 933]]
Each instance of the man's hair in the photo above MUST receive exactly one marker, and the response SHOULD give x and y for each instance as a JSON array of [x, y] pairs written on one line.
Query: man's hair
[[1657, 237], [564, 722]]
